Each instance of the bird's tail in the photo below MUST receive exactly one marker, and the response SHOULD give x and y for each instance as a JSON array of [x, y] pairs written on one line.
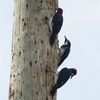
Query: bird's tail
[[53, 91], [52, 39], [59, 63]]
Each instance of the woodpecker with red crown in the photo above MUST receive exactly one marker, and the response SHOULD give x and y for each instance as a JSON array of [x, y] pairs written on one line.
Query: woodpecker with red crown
[[55, 24], [64, 51], [61, 78]]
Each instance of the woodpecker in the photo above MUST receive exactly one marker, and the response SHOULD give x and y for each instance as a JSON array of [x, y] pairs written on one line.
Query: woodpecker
[[55, 24], [64, 51], [62, 78]]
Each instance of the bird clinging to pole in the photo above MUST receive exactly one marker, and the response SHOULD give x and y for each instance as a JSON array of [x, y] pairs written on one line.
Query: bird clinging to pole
[[61, 78], [55, 24], [64, 51]]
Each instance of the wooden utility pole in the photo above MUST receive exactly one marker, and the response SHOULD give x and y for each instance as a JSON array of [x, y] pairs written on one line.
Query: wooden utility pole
[[31, 50]]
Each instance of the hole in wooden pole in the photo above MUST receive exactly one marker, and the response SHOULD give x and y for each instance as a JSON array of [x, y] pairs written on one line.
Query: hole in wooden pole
[[22, 19], [30, 63], [13, 75], [19, 53], [41, 1], [35, 62], [41, 41], [25, 24], [26, 5], [36, 18], [35, 41]]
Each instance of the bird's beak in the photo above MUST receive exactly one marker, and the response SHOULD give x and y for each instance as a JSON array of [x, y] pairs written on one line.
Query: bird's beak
[[72, 76], [65, 37]]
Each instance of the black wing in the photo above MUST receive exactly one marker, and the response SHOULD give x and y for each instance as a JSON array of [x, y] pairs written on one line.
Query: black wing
[[64, 56]]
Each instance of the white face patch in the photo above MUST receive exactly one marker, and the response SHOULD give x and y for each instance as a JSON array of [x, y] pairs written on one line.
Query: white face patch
[[66, 43], [56, 76], [50, 23], [62, 51]]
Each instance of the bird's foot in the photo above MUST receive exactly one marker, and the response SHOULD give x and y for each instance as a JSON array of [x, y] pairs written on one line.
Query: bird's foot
[[48, 69]]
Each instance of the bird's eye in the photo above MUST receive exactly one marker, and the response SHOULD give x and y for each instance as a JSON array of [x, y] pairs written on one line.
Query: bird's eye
[[72, 74]]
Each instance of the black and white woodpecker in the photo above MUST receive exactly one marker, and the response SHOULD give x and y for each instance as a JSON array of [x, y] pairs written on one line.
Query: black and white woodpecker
[[64, 51], [55, 24], [61, 78]]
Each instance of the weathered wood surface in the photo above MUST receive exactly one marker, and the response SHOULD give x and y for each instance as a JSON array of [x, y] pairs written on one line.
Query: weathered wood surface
[[31, 51]]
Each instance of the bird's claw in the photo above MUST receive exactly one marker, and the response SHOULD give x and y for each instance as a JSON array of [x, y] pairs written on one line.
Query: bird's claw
[[48, 69]]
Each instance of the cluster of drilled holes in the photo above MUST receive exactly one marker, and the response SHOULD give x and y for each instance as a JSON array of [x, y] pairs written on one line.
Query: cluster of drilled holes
[[24, 22]]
